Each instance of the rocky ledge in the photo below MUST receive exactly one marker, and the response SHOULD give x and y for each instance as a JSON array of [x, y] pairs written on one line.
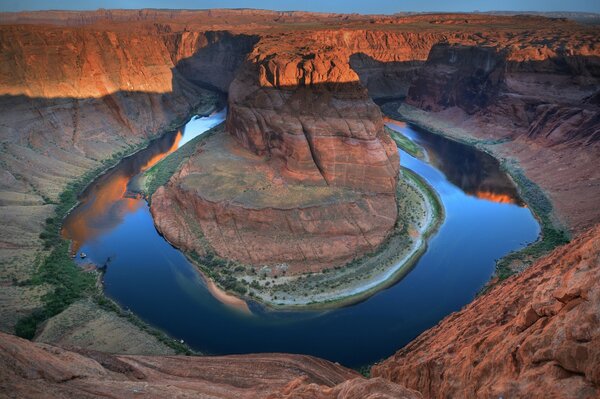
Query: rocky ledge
[[41, 371], [303, 179], [537, 334]]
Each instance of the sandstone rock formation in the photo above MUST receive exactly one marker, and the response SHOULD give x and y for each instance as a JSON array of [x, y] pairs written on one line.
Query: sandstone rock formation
[[310, 111], [319, 163], [513, 99], [243, 207], [136, 72], [536, 335], [41, 371]]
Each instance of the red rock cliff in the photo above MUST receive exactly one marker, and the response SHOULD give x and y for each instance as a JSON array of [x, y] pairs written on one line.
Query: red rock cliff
[[310, 111], [536, 335]]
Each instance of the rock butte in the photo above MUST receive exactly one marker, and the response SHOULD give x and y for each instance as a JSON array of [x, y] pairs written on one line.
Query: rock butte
[[314, 182], [77, 88]]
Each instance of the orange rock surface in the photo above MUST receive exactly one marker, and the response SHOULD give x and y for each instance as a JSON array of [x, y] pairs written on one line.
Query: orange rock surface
[[536, 335], [41, 371], [77, 88], [247, 208]]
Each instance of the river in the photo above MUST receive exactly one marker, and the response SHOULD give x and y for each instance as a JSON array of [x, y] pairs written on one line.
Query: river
[[485, 219]]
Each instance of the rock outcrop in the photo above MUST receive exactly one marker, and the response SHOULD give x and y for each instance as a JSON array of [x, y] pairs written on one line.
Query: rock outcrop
[[310, 111], [78, 88], [535, 335], [41, 371], [468, 77], [534, 102], [314, 183], [241, 206]]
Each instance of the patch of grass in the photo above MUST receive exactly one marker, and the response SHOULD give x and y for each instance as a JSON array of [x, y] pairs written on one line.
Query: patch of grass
[[434, 199], [69, 198], [159, 174], [69, 284], [109, 305], [220, 271], [552, 235], [405, 144]]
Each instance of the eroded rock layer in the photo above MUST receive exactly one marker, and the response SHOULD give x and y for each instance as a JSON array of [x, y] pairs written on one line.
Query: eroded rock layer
[[245, 207], [310, 111], [30, 370], [136, 72], [537, 334]]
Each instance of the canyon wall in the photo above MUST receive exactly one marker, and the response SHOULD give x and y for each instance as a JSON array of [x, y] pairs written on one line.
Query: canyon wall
[[310, 111], [530, 106], [314, 140], [72, 99], [102, 83], [536, 335]]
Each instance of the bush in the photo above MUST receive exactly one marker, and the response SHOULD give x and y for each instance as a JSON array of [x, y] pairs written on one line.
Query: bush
[[69, 284]]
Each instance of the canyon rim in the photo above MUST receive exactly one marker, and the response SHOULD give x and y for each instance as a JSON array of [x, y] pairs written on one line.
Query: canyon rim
[[302, 201]]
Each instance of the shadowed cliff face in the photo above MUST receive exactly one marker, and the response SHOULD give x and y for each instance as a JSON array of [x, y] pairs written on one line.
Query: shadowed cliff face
[[310, 111], [75, 96], [465, 76], [309, 136]]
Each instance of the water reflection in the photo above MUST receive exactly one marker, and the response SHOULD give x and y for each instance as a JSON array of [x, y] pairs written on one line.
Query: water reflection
[[478, 174], [105, 203], [156, 282]]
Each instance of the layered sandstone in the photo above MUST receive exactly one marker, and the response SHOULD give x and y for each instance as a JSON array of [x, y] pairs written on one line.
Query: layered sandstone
[[312, 186], [535, 335], [533, 106], [41, 371], [241, 206], [134, 73], [310, 111]]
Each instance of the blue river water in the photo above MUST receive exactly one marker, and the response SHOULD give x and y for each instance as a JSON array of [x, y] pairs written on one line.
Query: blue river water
[[485, 220]]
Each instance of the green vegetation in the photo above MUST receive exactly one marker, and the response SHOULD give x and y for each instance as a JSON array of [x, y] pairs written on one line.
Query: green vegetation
[[405, 144], [552, 235], [69, 284], [58, 270], [221, 272], [160, 173], [433, 199], [67, 281], [260, 282]]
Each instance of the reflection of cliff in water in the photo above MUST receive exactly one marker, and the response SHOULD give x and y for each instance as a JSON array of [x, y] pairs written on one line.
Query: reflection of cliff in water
[[475, 172], [105, 203]]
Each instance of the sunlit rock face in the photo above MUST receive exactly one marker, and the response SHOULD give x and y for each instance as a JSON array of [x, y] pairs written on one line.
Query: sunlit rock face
[[538, 332], [310, 111], [311, 176]]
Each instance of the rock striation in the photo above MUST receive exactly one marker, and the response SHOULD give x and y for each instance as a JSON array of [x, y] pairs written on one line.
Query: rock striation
[[137, 72], [314, 155], [40, 371], [534, 334]]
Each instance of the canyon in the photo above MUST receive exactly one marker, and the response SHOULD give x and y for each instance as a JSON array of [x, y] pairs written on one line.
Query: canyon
[[304, 135]]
